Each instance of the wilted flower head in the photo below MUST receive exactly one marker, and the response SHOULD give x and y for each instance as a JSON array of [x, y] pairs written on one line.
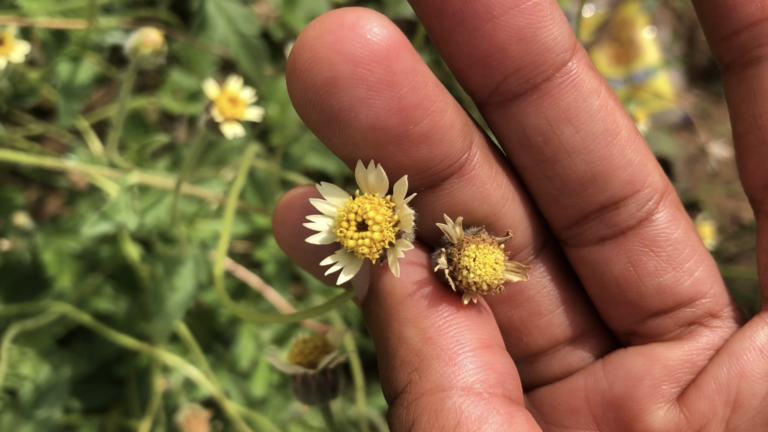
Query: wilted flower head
[[473, 262], [11, 49], [366, 224], [193, 418], [231, 104], [312, 364], [146, 46]]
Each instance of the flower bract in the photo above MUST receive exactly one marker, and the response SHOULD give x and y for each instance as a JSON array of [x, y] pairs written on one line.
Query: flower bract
[[474, 262], [12, 50], [231, 104], [365, 225], [312, 364]]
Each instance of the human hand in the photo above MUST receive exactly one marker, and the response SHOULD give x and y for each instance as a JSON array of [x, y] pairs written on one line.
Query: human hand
[[626, 324]]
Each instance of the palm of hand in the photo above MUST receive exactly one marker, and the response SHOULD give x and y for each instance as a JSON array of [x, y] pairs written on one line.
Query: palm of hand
[[626, 324]]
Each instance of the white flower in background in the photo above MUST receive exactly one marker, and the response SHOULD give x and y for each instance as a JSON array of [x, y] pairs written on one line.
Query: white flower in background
[[12, 50], [232, 104], [366, 224]]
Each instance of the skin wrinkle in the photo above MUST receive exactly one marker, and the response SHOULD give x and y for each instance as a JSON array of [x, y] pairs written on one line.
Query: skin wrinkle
[[616, 219], [735, 56]]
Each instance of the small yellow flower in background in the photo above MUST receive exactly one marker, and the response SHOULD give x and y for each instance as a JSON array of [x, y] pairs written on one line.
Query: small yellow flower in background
[[232, 104], [193, 418], [12, 50], [312, 365], [365, 225], [707, 228], [474, 262], [147, 46]]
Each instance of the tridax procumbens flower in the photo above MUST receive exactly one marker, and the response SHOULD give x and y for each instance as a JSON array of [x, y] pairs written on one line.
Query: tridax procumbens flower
[[366, 224], [232, 104], [473, 262], [11, 49], [312, 364]]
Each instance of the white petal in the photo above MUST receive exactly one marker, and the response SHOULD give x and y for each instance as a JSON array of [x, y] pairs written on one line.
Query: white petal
[[249, 94], [318, 226], [372, 180], [403, 245], [216, 114], [394, 266], [341, 258], [322, 220], [322, 238], [399, 190], [406, 216], [361, 176], [211, 88], [325, 207], [333, 194], [407, 200], [379, 181], [254, 113], [232, 129], [234, 84], [350, 270]]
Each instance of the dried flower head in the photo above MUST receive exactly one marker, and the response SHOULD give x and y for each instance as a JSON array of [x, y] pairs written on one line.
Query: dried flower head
[[474, 263], [366, 224], [232, 104], [147, 47], [12, 50], [193, 418], [312, 365]]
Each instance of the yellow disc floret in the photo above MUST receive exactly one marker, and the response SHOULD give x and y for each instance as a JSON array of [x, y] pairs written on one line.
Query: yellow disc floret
[[481, 267], [308, 351], [367, 225], [7, 41], [231, 105]]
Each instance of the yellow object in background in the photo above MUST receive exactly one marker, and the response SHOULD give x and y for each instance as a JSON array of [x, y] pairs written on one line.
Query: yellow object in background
[[624, 46]]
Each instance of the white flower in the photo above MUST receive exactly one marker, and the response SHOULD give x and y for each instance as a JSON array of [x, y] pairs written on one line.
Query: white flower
[[11, 49], [366, 224], [232, 104]]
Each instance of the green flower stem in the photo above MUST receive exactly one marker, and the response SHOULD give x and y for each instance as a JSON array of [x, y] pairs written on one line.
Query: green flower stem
[[19, 327], [118, 119], [221, 254], [155, 400], [189, 163], [358, 377], [189, 340], [136, 176], [128, 342], [330, 423], [289, 176]]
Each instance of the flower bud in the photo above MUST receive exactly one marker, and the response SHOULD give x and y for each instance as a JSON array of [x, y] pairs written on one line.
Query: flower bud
[[147, 47]]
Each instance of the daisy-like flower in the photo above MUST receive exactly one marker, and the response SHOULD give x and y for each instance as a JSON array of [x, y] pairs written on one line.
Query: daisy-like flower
[[312, 364], [473, 262], [232, 104], [147, 46], [707, 228], [12, 50], [366, 224]]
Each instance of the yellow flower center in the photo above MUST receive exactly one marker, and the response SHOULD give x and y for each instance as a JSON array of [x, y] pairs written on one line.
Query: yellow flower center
[[481, 266], [6, 42], [231, 105], [367, 225], [307, 351]]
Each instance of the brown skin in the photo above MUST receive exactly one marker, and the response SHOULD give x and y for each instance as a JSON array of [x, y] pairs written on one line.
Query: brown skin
[[626, 324]]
